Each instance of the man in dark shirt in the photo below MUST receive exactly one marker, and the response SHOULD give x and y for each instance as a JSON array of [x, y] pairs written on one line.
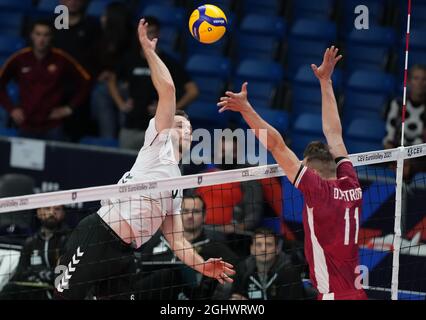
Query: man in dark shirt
[[140, 103], [41, 73], [80, 38], [79, 41], [35, 273], [268, 273]]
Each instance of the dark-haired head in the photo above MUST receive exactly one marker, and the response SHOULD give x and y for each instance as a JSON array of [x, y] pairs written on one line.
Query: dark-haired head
[[416, 67], [264, 246], [317, 156], [264, 232], [193, 212], [41, 36], [41, 23], [76, 7], [192, 195], [117, 19]]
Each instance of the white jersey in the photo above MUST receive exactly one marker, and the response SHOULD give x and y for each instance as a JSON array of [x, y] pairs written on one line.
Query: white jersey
[[145, 213]]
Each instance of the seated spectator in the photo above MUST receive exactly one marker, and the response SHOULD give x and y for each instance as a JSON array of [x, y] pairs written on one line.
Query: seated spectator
[[140, 103], [114, 42], [185, 282], [35, 274], [41, 73], [415, 118], [268, 273]]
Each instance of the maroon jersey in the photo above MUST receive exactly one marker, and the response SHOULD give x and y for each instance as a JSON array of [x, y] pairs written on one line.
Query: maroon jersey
[[42, 85], [331, 217]]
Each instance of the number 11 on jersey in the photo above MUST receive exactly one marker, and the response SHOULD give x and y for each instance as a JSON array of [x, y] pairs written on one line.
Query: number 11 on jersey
[[347, 225]]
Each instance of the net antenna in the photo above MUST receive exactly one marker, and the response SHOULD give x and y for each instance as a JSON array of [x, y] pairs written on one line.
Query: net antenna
[[399, 172]]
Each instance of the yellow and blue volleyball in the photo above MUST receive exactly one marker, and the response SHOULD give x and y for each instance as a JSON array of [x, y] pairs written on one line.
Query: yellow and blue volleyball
[[207, 23]]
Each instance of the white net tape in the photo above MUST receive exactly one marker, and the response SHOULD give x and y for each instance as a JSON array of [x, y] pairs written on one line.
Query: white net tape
[[185, 182]]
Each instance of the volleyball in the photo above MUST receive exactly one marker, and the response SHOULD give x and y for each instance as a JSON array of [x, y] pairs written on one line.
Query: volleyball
[[207, 23]]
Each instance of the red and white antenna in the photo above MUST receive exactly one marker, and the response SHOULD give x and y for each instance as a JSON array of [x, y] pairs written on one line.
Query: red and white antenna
[[404, 98], [399, 174]]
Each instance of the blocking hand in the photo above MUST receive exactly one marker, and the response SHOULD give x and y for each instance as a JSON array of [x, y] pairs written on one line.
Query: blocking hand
[[325, 70]]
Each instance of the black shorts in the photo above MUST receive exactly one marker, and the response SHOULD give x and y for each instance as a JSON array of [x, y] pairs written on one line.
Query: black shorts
[[97, 263]]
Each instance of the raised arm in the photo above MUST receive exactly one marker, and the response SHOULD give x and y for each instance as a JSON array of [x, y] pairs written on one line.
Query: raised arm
[[267, 134], [161, 79], [331, 125]]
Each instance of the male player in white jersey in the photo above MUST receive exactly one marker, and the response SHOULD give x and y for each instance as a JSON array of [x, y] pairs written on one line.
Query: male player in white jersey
[[330, 187], [100, 250]]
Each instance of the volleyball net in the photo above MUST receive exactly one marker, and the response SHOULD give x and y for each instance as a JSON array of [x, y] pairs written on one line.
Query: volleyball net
[[251, 217]]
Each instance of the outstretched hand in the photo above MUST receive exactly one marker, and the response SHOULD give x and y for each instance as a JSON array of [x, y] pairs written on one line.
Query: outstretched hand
[[145, 42], [325, 70], [219, 270], [235, 101]]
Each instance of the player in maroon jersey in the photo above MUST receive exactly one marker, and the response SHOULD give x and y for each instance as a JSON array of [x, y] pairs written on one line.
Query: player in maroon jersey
[[330, 186]]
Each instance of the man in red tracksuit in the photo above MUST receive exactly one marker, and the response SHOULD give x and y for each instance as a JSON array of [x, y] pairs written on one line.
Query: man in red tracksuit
[[41, 73]]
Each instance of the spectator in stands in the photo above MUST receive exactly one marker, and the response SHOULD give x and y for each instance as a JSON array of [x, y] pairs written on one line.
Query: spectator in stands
[[185, 283], [79, 41], [268, 273], [140, 103], [237, 206], [41, 72], [35, 273], [415, 118], [114, 42]]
